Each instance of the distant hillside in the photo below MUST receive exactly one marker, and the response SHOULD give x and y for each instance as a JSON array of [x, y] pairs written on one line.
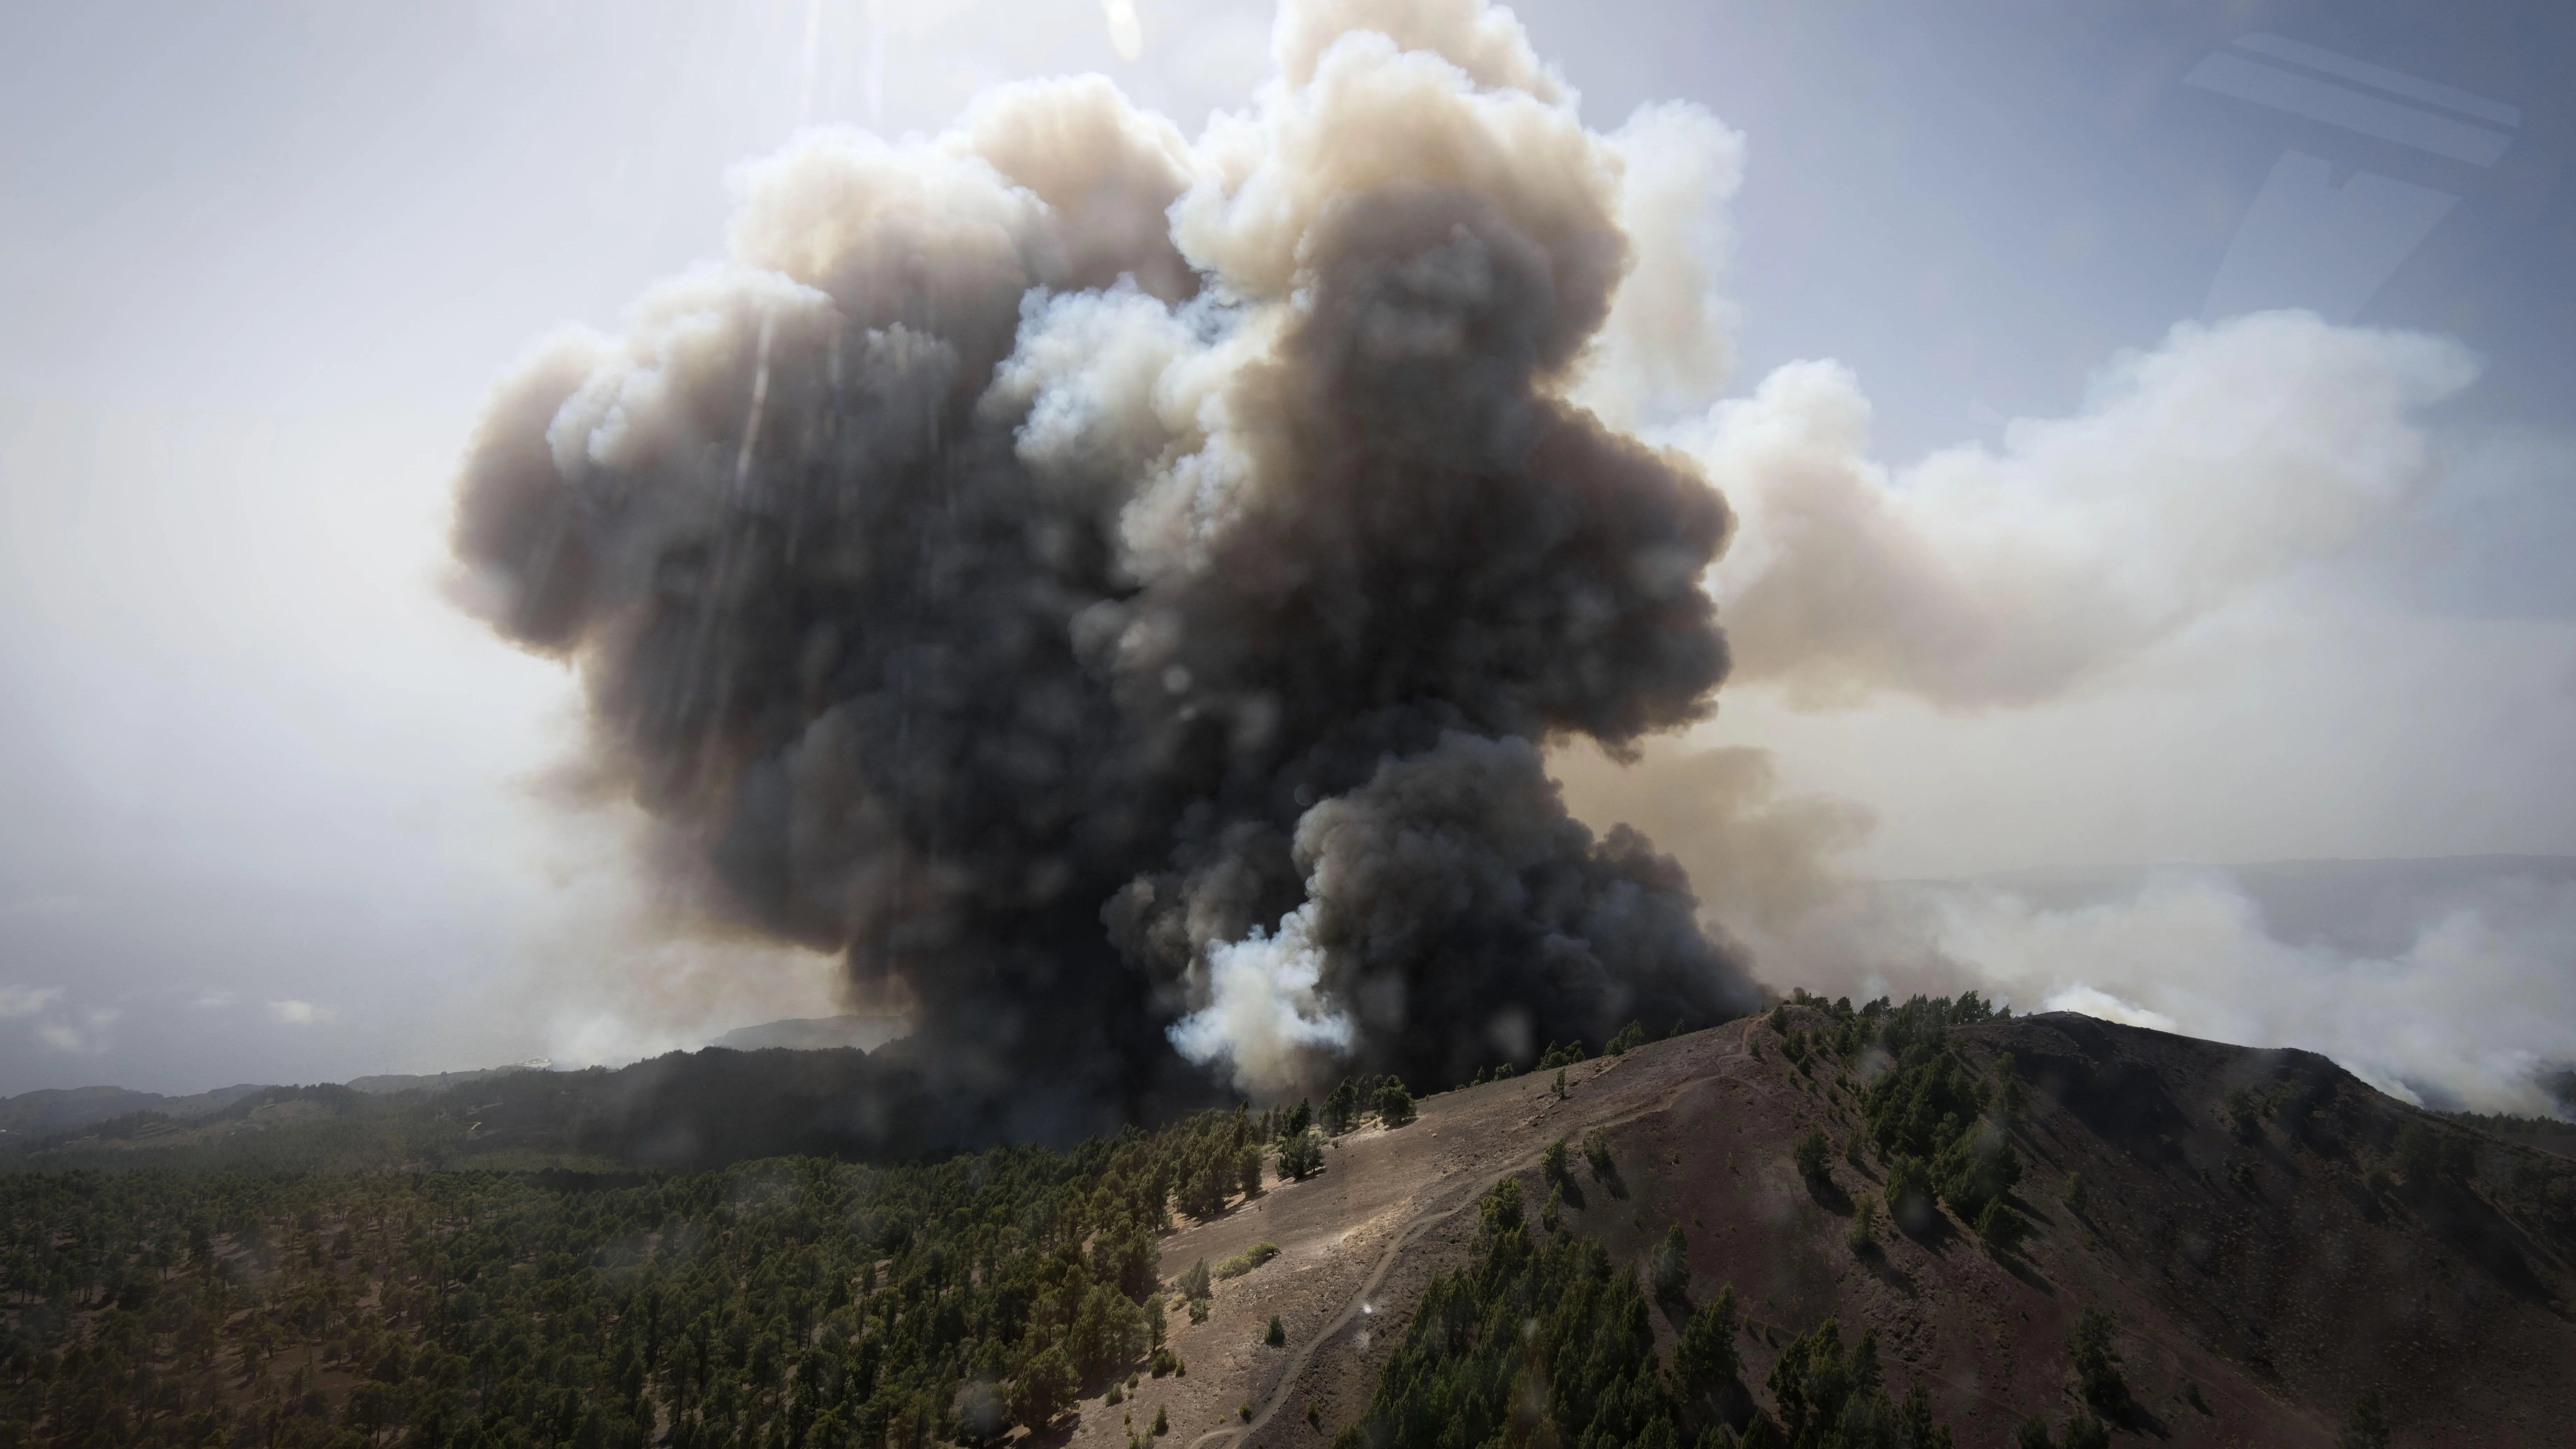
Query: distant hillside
[[387, 1085], [814, 1034], [52, 1112], [684, 1110], [42, 1113]]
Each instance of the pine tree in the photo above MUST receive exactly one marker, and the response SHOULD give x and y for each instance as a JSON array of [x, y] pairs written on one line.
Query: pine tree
[[1394, 1103], [1811, 1156], [2097, 1364], [1864, 1228], [1301, 1156], [1043, 1387], [1668, 1266], [1705, 1360]]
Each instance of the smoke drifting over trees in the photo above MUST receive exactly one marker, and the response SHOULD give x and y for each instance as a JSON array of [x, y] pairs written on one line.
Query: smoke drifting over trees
[[1115, 589]]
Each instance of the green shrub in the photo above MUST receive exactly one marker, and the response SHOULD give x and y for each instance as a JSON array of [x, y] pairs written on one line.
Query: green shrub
[[2085, 1432], [1247, 1169], [1631, 1035], [2033, 1434], [2073, 1194], [1162, 1422], [1277, 1334], [1247, 1260], [1243, 1411]]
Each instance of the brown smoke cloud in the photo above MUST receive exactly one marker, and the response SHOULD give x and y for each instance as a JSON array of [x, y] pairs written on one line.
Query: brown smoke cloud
[[1115, 590]]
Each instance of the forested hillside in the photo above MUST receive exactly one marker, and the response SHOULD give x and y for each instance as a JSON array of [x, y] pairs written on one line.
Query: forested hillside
[[1827, 1226], [789, 1301]]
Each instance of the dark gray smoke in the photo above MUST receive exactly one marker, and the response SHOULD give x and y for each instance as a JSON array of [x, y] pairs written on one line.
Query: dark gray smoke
[[1114, 590]]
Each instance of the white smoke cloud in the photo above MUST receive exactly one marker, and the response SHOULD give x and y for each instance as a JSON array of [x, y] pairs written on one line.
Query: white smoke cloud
[[16, 1001], [1266, 1010], [2197, 474], [2220, 460], [84, 1036], [81, 1034], [1669, 346], [2470, 1012], [298, 1013], [2095, 1002]]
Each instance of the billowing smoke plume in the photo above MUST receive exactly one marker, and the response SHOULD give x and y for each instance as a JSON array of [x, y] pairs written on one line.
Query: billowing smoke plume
[[1114, 589], [2197, 472]]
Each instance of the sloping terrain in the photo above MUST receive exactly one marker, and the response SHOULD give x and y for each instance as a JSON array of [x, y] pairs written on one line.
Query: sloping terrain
[[2268, 1239], [2262, 1274]]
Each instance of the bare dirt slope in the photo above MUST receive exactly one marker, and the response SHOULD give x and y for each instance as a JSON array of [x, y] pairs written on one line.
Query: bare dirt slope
[[2276, 1265]]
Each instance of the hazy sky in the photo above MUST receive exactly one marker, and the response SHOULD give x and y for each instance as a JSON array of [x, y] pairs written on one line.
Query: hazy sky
[[273, 810]]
